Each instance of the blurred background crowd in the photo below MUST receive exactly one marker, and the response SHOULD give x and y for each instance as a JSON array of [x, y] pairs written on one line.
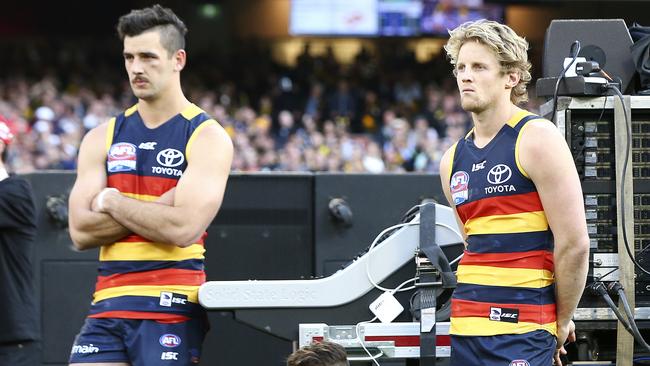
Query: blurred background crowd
[[292, 99], [382, 112]]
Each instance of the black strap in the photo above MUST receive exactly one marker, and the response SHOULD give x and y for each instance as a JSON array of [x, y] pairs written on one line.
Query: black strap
[[428, 292], [430, 248], [428, 320]]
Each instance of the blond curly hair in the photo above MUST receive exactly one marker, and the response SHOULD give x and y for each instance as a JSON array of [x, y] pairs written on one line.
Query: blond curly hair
[[509, 48]]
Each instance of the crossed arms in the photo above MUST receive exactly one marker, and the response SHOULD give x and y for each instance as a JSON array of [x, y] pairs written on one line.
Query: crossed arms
[[179, 217]]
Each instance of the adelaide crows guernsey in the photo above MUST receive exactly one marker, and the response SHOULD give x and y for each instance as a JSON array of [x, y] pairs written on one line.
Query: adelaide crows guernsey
[[140, 279], [505, 278]]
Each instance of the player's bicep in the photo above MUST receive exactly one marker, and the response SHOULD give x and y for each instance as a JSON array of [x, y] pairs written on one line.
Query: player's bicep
[[556, 180], [200, 190], [445, 174], [91, 174], [445, 169]]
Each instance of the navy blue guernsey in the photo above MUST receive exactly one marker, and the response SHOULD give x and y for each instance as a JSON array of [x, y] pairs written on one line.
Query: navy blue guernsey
[[505, 278], [140, 279]]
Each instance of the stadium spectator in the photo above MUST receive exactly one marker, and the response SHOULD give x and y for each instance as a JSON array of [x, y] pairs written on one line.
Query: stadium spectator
[[19, 345]]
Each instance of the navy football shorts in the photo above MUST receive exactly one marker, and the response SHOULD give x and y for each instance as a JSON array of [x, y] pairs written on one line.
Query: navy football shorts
[[530, 349], [139, 342]]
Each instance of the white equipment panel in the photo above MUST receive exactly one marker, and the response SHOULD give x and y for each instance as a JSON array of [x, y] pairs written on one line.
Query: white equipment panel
[[344, 286]]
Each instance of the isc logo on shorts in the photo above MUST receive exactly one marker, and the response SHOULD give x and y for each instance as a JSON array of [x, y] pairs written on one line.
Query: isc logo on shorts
[[519, 363], [169, 356]]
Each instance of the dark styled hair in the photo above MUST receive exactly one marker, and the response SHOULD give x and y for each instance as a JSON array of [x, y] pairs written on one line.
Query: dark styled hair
[[319, 354], [172, 29]]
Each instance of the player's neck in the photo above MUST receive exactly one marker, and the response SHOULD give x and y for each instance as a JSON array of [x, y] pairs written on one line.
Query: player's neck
[[489, 122], [157, 111]]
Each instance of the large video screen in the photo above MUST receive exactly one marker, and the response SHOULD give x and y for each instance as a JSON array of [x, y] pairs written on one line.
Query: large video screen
[[333, 17], [386, 18], [399, 17], [440, 15]]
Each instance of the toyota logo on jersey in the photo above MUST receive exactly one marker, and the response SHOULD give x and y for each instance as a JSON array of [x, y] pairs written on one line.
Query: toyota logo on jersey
[[499, 174], [170, 158]]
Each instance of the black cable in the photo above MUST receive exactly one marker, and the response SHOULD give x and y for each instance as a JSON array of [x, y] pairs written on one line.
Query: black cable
[[602, 111], [575, 44], [605, 75], [599, 287], [628, 146], [410, 213], [628, 311], [406, 217], [607, 274], [643, 250]]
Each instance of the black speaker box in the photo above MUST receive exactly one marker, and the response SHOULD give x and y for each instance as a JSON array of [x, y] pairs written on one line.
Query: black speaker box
[[606, 41]]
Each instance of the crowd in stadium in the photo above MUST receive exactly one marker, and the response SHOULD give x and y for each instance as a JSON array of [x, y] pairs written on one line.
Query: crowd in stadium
[[384, 112]]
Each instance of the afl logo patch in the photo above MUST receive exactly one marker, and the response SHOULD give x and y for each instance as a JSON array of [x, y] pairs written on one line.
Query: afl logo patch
[[459, 187], [519, 363], [170, 340], [121, 157]]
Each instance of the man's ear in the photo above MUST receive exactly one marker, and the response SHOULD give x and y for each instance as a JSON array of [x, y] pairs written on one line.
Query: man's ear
[[512, 80], [180, 58]]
